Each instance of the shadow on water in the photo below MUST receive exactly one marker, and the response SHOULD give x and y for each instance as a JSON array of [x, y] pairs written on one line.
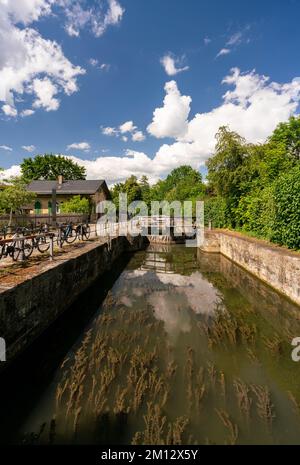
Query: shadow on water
[[26, 379]]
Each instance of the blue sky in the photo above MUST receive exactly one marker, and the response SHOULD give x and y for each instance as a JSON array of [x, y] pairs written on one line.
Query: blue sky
[[83, 68]]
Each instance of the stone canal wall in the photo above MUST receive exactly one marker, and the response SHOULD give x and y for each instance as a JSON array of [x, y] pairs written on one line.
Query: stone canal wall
[[29, 305], [276, 266]]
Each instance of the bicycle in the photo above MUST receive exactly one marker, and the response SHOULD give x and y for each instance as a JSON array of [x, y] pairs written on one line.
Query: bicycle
[[83, 232], [66, 234], [17, 248], [42, 243]]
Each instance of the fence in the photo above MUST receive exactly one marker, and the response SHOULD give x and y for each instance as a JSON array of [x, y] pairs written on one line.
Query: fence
[[33, 221]]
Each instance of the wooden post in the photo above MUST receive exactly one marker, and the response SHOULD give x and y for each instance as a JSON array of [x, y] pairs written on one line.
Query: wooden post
[[53, 208]]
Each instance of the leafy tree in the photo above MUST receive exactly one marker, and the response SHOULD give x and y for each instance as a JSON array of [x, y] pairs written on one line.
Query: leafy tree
[[76, 205], [145, 189], [288, 134], [131, 187], [183, 183], [14, 196], [49, 167], [224, 165]]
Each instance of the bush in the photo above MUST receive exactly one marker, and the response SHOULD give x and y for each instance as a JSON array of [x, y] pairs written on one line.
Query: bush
[[256, 213], [76, 205], [287, 204], [215, 211]]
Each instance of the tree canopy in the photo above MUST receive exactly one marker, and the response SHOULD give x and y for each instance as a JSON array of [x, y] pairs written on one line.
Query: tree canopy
[[49, 167], [15, 196], [255, 188]]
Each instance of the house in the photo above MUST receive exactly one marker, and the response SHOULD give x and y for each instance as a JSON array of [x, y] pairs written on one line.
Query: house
[[95, 190]]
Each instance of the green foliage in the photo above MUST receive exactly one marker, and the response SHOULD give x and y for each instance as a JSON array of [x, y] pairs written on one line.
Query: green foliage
[[288, 134], [257, 186], [183, 183], [76, 205], [287, 202], [15, 196], [49, 167], [215, 211], [256, 213], [131, 187]]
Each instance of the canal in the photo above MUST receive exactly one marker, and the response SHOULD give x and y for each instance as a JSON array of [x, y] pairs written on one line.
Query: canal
[[177, 347]]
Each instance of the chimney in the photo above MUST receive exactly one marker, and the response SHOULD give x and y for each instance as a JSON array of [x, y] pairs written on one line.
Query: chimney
[[60, 180]]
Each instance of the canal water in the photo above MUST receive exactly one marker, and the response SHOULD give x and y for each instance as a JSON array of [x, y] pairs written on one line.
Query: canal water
[[185, 348]]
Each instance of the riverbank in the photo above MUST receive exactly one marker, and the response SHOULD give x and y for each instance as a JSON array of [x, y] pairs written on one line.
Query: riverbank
[[277, 266]]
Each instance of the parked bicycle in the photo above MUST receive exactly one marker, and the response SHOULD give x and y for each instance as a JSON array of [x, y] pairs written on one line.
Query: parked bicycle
[[83, 232], [67, 234], [17, 248]]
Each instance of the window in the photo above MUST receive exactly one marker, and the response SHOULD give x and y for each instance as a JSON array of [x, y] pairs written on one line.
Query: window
[[37, 207], [49, 207]]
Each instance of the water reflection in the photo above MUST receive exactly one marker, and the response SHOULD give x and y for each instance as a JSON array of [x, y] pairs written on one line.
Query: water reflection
[[186, 348]]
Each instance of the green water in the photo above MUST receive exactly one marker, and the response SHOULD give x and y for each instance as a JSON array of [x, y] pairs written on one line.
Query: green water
[[186, 348]]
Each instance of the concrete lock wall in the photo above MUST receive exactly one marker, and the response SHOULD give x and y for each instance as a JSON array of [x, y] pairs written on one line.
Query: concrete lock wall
[[276, 266], [30, 306]]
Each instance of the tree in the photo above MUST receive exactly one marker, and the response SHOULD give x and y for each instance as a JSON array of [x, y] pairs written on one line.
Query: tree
[[14, 196], [49, 167], [224, 165], [76, 205], [131, 187], [288, 134], [183, 183]]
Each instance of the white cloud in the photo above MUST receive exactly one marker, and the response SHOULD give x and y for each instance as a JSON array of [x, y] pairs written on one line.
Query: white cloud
[[253, 107], [13, 171], [169, 63], [105, 66], [109, 131], [27, 112], [29, 148], [85, 146], [223, 51], [138, 136], [95, 18], [8, 110], [128, 126], [96, 64], [171, 119], [235, 39], [45, 91], [93, 62], [6, 147], [29, 62], [207, 40], [105, 167]]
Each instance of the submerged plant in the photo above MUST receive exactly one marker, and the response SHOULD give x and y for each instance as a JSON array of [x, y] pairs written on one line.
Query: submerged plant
[[231, 427], [265, 408], [243, 397]]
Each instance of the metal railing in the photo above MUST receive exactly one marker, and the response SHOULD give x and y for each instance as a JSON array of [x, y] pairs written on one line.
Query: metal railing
[[20, 246]]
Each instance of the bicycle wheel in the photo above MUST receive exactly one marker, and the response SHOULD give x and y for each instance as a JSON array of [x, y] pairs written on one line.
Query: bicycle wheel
[[71, 236], [43, 244], [22, 251], [3, 251], [86, 232]]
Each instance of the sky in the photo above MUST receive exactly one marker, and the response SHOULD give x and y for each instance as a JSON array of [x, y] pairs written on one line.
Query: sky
[[141, 87]]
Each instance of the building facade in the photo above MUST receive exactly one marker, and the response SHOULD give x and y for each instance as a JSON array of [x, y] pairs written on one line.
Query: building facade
[[95, 190]]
